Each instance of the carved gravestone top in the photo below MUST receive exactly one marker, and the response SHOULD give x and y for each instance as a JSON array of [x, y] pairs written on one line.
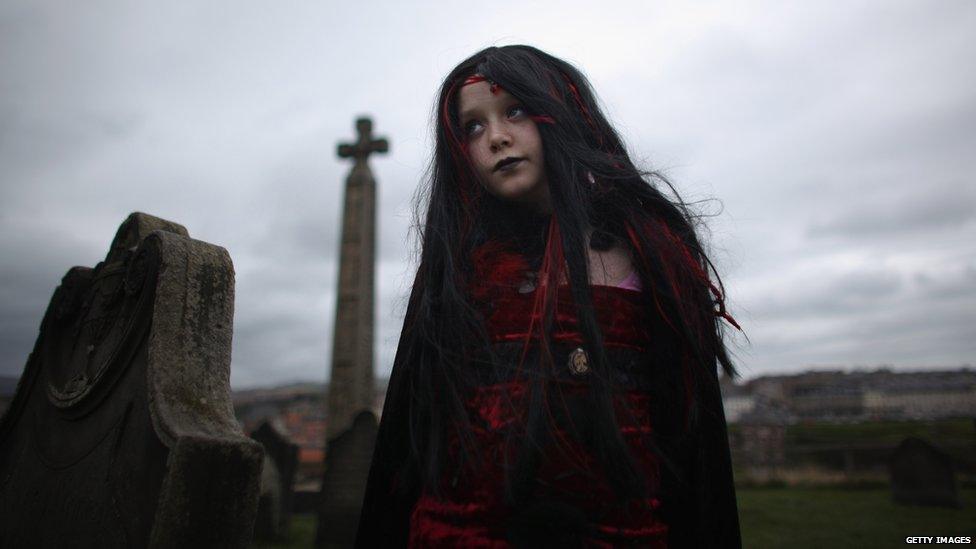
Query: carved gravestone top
[[121, 432], [921, 474]]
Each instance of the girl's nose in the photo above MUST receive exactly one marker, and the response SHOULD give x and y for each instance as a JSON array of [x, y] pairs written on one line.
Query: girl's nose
[[499, 138]]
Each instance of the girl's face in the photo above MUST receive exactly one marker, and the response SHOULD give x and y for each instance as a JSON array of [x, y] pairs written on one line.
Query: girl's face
[[504, 145]]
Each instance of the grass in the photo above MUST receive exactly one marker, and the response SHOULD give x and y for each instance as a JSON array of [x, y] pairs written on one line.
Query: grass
[[301, 533], [801, 518], [882, 432], [868, 445]]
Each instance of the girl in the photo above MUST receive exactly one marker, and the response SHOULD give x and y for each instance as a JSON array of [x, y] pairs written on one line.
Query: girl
[[555, 382]]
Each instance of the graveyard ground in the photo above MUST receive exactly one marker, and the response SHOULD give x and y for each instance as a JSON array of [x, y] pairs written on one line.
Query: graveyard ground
[[800, 518]]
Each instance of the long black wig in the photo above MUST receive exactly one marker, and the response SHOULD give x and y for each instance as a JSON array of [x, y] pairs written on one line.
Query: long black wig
[[595, 189]]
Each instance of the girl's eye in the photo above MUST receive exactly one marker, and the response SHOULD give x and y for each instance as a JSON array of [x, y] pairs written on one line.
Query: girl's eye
[[474, 126], [471, 127]]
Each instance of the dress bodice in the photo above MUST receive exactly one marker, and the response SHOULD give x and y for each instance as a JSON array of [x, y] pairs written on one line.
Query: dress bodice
[[571, 491]]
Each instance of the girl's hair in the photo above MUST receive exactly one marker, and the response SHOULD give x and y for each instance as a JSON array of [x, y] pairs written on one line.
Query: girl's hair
[[593, 185]]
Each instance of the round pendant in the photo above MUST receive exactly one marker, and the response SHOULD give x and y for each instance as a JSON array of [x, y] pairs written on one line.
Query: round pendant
[[579, 362]]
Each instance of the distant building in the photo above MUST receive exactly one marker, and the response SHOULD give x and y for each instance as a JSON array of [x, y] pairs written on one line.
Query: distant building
[[922, 395], [836, 395], [738, 400]]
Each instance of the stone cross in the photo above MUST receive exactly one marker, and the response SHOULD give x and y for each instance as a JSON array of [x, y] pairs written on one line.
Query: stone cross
[[351, 392], [351, 384], [361, 149]]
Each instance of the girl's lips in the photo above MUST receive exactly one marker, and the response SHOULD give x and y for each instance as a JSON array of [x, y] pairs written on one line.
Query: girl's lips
[[509, 165]]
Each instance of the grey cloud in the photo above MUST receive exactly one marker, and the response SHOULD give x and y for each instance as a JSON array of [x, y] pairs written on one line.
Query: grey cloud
[[889, 215], [281, 347], [838, 140], [28, 277], [831, 295], [951, 286]]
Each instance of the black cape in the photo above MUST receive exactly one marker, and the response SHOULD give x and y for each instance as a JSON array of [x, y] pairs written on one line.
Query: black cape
[[700, 511]]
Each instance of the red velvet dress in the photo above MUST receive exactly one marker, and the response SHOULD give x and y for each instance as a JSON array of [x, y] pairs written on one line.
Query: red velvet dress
[[472, 513]]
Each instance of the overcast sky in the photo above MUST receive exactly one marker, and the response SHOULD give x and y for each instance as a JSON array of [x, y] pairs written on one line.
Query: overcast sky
[[838, 136]]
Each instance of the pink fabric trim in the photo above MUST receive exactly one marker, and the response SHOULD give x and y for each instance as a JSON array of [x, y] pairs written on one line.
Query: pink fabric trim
[[632, 282]]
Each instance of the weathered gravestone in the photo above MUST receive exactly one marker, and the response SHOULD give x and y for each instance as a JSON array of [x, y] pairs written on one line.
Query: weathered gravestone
[[346, 469], [122, 433], [277, 482], [921, 474]]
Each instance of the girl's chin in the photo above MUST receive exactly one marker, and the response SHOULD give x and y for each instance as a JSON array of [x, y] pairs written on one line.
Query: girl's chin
[[519, 199], [513, 191]]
